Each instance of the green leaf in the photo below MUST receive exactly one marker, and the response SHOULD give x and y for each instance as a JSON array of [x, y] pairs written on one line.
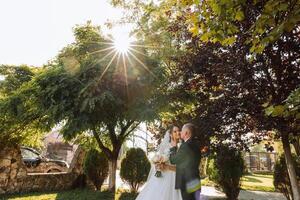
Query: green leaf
[[269, 110], [204, 37], [239, 16], [278, 111]]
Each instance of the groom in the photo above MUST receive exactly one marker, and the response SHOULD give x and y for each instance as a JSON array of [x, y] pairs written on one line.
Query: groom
[[187, 159]]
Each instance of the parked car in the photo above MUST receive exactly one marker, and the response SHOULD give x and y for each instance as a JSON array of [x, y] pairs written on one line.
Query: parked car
[[36, 163]]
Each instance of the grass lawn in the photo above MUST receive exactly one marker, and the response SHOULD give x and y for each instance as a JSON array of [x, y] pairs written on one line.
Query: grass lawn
[[80, 194], [259, 182]]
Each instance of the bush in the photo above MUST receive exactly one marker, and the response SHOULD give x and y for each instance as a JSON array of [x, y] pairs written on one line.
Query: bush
[[212, 171], [281, 177], [128, 196], [96, 167], [135, 168], [226, 169]]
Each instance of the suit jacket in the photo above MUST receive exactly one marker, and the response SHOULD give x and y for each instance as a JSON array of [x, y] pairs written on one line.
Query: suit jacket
[[187, 160]]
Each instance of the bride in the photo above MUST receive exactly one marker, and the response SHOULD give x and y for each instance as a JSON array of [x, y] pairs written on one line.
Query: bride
[[162, 188]]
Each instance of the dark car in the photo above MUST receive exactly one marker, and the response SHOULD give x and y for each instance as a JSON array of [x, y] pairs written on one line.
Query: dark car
[[36, 163]]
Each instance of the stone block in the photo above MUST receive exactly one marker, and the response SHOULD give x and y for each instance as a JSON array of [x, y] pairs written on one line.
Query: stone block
[[22, 173], [13, 173], [4, 175], [14, 165], [3, 182], [5, 162]]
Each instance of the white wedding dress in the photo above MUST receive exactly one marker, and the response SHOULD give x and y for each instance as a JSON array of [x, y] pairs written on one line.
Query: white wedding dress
[[161, 188]]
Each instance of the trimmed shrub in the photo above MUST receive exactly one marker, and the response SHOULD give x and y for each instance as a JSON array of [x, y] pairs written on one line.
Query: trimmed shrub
[[96, 167], [128, 196], [226, 169], [281, 177], [135, 168]]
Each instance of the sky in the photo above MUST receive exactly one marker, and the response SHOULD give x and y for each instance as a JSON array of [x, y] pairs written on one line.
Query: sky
[[33, 31]]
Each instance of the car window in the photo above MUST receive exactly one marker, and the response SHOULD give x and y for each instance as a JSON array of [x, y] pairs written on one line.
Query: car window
[[28, 154]]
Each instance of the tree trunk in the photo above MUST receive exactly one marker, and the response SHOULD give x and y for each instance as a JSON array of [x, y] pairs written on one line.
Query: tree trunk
[[296, 144], [290, 167], [112, 174]]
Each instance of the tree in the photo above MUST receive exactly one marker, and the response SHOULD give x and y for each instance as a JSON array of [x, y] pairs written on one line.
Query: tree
[[15, 77], [93, 89], [11, 130], [281, 178]]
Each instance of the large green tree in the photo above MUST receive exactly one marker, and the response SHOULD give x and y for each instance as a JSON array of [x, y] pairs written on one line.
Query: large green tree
[[93, 89]]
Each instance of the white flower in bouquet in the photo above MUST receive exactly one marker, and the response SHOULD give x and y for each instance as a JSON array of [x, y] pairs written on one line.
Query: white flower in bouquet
[[159, 160]]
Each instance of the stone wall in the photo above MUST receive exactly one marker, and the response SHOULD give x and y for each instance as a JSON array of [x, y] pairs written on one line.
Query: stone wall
[[14, 177]]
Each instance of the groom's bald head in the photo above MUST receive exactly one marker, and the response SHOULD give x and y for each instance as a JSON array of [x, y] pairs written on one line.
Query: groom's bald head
[[188, 131]]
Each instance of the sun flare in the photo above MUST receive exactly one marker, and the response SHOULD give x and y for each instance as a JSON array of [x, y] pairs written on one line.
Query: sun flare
[[122, 43]]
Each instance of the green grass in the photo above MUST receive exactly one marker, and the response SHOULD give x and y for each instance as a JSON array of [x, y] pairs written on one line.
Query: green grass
[[77, 194], [80, 194], [258, 182]]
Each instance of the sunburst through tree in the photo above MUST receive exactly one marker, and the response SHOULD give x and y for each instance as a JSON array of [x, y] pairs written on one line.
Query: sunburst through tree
[[124, 55]]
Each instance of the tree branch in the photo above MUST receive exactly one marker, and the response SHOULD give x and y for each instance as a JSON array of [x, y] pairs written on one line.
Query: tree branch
[[106, 150], [112, 134], [130, 131], [124, 128]]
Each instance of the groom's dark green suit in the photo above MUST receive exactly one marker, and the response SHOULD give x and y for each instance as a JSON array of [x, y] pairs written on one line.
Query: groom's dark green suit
[[187, 160]]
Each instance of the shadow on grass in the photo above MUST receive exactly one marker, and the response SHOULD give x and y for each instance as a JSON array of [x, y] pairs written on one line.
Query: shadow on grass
[[28, 195], [80, 194], [251, 179], [84, 195]]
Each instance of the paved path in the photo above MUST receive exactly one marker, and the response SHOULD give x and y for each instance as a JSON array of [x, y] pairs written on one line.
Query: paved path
[[211, 193]]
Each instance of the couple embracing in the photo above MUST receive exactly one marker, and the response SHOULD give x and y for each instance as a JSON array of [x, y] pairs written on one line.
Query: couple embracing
[[180, 179]]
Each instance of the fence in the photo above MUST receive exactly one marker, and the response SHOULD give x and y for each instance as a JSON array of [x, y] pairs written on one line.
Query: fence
[[260, 161]]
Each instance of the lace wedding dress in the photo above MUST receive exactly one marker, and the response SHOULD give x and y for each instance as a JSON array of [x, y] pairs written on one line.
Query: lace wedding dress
[[161, 188]]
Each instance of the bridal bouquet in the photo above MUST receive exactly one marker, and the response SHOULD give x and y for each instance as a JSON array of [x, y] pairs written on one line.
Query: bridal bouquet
[[159, 160]]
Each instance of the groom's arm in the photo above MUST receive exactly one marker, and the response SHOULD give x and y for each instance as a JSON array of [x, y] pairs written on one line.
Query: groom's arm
[[178, 156]]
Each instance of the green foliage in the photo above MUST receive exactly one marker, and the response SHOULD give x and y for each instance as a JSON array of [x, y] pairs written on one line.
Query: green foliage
[[226, 169], [221, 21], [128, 196], [12, 130], [15, 77], [96, 167], [293, 104], [78, 194], [290, 108], [212, 171], [135, 168], [281, 178]]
